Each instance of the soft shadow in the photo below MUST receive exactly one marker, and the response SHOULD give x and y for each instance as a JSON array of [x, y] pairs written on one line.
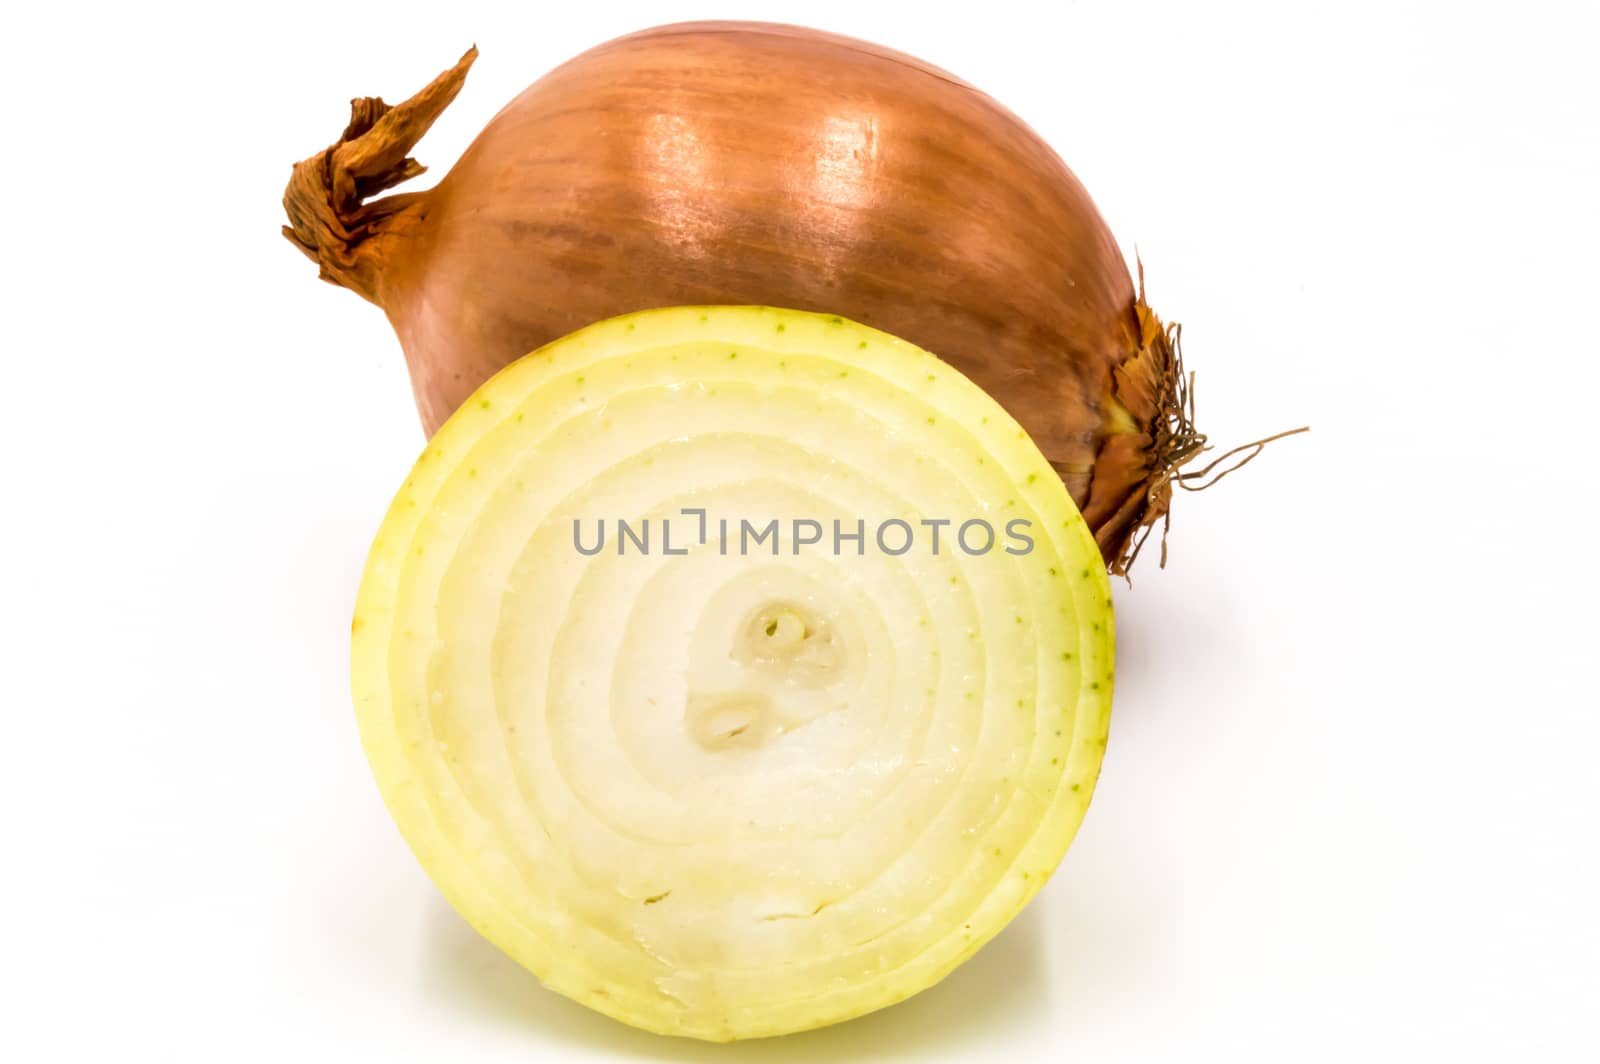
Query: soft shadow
[[1004, 985], [1168, 635], [1111, 922]]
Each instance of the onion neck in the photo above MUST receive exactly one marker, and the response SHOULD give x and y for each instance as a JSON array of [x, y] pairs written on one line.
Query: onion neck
[[332, 219]]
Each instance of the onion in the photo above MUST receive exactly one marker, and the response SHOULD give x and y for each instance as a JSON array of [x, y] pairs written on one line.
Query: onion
[[725, 794], [741, 163]]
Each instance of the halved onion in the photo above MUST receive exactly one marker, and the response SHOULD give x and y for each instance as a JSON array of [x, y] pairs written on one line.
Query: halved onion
[[729, 790]]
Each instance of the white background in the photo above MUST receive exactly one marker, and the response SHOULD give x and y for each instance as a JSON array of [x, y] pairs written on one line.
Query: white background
[[1349, 805]]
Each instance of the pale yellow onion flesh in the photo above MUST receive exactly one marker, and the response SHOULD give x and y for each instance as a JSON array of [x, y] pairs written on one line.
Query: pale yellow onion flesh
[[725, 796]]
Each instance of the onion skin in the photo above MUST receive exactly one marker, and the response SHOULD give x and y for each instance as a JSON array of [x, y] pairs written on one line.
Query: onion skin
[[744, 163]]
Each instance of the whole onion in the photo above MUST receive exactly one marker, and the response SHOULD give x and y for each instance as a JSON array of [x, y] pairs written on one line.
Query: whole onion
[[742, 163]]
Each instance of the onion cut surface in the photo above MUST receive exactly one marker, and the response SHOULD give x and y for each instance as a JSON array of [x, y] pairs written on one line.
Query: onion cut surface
[[728, 795]]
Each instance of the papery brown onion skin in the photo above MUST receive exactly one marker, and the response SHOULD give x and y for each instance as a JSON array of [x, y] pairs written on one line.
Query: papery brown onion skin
[[745, 163]]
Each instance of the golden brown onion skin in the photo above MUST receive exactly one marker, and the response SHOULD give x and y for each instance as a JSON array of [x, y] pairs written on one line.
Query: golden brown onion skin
[[741, 163]]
